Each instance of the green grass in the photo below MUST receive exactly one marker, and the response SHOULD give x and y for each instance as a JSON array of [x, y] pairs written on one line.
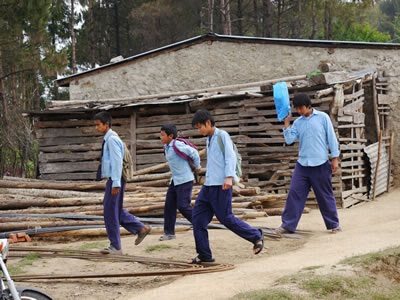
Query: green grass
[[307, 285], [310, 268], [92, 245], [157, 247], [343, 287], [373, 257], [18, 268], [272, 294]]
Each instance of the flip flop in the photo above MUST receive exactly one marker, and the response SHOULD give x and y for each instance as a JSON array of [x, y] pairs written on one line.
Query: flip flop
[[198, 261], [280, 231], [257, 245], [141, 236]]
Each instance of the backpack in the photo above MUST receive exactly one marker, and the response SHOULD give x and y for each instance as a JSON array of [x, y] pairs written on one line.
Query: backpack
[[238, 169], [183, 155], [127, 162]]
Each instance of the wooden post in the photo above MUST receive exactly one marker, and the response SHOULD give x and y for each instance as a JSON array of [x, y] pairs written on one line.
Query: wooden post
[[375, 103], [133, 139], [377, 164], [390, 159]]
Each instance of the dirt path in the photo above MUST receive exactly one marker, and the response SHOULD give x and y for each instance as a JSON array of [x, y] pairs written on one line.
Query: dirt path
[[370, 227]]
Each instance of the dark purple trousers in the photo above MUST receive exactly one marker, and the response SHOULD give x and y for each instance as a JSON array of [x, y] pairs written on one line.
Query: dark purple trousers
[[214, 200], [115, 216], [320, 179], [178, 198]]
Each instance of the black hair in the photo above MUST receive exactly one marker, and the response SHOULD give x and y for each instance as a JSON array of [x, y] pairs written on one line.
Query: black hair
[[301, 99], [201, 117], [170, 129], [103, 117]]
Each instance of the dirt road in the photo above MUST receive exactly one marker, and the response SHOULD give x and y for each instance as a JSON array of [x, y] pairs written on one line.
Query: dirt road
[[369, 227], [366, 228]]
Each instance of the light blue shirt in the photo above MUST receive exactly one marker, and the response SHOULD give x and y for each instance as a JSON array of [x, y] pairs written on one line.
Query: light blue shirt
[[180, 168], [316, 137], [113, 154], [219, 165]]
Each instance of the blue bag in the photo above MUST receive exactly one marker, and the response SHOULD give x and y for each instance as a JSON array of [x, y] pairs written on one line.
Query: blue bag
[[281, 99]]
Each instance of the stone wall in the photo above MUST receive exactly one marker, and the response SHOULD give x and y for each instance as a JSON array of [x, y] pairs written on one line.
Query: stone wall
[[218, 63]]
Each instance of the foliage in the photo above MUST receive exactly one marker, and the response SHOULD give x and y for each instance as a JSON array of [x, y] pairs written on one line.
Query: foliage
[[360, 32], [28, 58], [36, 43]]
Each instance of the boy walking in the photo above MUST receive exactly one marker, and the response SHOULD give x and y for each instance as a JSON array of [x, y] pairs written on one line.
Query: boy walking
[[111, 168], [215, 196], [179, 194], [316, 136]]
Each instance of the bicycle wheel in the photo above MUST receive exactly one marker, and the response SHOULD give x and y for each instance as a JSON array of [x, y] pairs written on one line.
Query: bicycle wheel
[[29, 294]]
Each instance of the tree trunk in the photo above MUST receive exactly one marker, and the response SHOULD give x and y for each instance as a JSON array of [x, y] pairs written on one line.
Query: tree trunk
[[72, 29], [239, 17], [117, 37], [3, 104], [256, 18], [267, 18], [92, 58], [313, 19], [211, 15], [226, 17], [278, 20], [328, 20]]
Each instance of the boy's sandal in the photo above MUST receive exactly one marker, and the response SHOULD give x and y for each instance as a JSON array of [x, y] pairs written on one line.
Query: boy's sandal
[[280, 230], [111, 250], [141, 236], [198, 261], [167, 237], [259, 245]]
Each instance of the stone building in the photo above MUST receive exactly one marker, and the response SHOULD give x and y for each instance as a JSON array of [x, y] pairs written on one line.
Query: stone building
[[233, 77]]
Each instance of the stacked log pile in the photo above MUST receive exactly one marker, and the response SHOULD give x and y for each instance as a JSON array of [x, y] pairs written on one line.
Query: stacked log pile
[[29, 205]]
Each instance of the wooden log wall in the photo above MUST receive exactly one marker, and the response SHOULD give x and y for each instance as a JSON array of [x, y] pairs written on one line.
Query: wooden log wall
[[70, 145], [351, 128]]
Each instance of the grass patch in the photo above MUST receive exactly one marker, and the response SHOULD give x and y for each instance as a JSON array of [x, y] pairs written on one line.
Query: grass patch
[[312, 268], [91, 246], [306, 285], [157, 247], [373, 257], [272, 294], [320, 287], [18, 268]]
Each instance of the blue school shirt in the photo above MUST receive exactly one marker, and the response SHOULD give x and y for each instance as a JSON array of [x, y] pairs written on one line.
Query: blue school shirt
[[180, 168], [219, 165], [316, 137], [113, 154]]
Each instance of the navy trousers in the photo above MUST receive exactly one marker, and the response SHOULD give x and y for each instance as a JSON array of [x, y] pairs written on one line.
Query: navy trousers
[[178, 198], [115, 216], [320, 179], [214, 200]]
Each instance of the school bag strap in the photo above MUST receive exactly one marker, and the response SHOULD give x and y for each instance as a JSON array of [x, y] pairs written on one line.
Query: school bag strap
[[238, 168], [183, 155], [127, 160]]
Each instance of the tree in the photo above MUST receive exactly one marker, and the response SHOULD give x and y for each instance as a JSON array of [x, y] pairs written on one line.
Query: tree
[[27, 57]]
